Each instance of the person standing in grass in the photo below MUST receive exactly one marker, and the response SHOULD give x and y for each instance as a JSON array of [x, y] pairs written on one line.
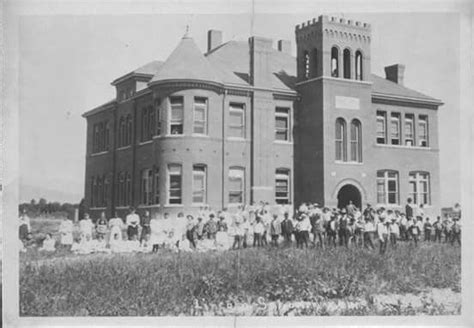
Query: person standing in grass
[[382, 233], [438, 229], [369, 230], [156, 238], [101, 227], [86, 226], [25, 227], [403, 227], [427, 229], [415, 231], [318, 231], [115, 226], [132, 222], [304, 227], [238, 234], [456, 232], [332, 230], [65, 229], [343, 231], [209, 228], [287, 228], [245, 230], [394, 230], [145, 223], [190, 230], [258, 232], [275, 229], [409, 209], [447, 224]]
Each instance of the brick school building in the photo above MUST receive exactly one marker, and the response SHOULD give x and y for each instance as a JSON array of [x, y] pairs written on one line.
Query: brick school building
[[245, 122]]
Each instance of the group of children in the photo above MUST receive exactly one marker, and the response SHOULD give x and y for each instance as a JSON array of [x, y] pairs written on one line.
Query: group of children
[[255, 226]]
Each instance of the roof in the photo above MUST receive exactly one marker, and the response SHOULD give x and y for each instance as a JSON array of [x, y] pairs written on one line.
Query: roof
[[147, 70], [99, 108], [235, 57], [386, 87], [186, 62]]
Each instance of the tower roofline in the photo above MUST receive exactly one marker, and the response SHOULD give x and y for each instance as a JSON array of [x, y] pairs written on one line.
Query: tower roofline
[[325, 19]]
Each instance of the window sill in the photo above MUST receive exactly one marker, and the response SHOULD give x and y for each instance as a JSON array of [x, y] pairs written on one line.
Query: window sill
[[402, 147], [122, 207], [349, 163], [145, 142], [124, 147], [149, 206], [99, 154], [388, 205], [174, 205], [282, 142], [200, 135], [236, 139], [174, 135], [97, 208]]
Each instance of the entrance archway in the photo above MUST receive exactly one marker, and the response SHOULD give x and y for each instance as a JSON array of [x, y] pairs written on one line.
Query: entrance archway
[[348, 193]]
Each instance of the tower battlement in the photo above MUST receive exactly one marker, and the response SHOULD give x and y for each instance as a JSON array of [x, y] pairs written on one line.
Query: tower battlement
[[337, 21]]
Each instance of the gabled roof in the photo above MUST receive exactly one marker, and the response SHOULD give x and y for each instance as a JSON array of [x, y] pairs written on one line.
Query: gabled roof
[[186, 62], [145, 71], [383, 86]]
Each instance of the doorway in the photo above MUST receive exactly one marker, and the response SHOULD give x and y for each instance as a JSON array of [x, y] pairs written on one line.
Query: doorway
[[349, 193]]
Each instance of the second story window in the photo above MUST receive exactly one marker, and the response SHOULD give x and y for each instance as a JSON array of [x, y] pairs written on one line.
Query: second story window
[[381, 127], [200, 115], [236, 120], [409, 130], [147, 186], [341, 135], [423, 131], [177, 115], [282, 123], [395, 129], [158, 116], [334, 62], [174, 184], [148, 123], [100, 138]]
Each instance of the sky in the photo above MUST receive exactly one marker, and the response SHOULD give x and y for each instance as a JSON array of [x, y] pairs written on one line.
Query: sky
[[67, 64]]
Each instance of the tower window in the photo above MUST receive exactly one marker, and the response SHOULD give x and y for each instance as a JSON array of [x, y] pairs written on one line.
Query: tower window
[[334, 62], [341, 150], [177, 115], [356, 144], [358, 65], [306, 65], [381, 127], [347, 63], [395, 129]]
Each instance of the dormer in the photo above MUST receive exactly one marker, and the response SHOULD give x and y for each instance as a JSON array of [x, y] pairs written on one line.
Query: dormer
[[129, 84]]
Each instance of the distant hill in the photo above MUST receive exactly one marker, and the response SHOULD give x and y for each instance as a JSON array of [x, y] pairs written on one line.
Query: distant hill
[[72, 194]]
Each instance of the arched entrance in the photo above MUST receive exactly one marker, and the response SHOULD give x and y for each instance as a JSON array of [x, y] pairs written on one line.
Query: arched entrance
[[348, 193]]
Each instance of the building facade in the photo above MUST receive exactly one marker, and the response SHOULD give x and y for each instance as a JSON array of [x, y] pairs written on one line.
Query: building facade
[[245, 123]]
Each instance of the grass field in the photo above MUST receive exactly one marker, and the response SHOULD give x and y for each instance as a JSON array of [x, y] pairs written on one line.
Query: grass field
[[247, 282]]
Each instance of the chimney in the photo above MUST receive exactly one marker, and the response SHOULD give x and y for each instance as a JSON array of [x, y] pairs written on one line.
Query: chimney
[[394, 73], [214, 39], [260, 50], [284, 46]]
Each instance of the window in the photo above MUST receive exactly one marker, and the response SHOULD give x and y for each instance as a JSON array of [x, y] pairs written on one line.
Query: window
[[282, 186], [100, 138], [358, 65], [106, 191], [387, 187], [128, 189], [381, 127], [341, 150], [409, 130], [347, 63], [200, 115], [174, 183], [121, 133], [128, 134], [395, 128], [158, 116], [356, 144], [236, 120], [156, 190], [423, 131], [147, 186], [420, 187], [282, 123], [236, 185], [334, 62], [121, 190], [306, 65], [199, 184], [148, 123], [177, 112]]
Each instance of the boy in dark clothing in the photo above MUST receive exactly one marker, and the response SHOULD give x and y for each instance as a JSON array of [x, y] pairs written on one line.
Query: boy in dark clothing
[[287, 228], [427, 229], [438, 228]]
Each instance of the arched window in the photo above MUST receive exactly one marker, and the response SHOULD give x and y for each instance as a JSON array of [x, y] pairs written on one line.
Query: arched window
[[356, 141], [306, 65], [121, 133], [334, 62], [100, 195], [358, 65], [347, 63], [128, 189], [315, 63], [128, 128], [341, 151], [106, 190]]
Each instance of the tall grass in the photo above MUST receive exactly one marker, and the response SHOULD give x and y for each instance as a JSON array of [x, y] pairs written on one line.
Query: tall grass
[[169, 283]]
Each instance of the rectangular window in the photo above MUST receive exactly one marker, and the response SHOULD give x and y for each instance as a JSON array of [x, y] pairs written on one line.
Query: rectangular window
[[145, 124], [200, 115], [236, 186], [177, 115], [158, 116], [128, 190], [174, 184], [423, 131], [409, 130], [156, 185], [420, 188], [282, 123], [199, 184], [282, 186], [395, 128], [381, 127], [236, 120], [387, 187], [147, 186]]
